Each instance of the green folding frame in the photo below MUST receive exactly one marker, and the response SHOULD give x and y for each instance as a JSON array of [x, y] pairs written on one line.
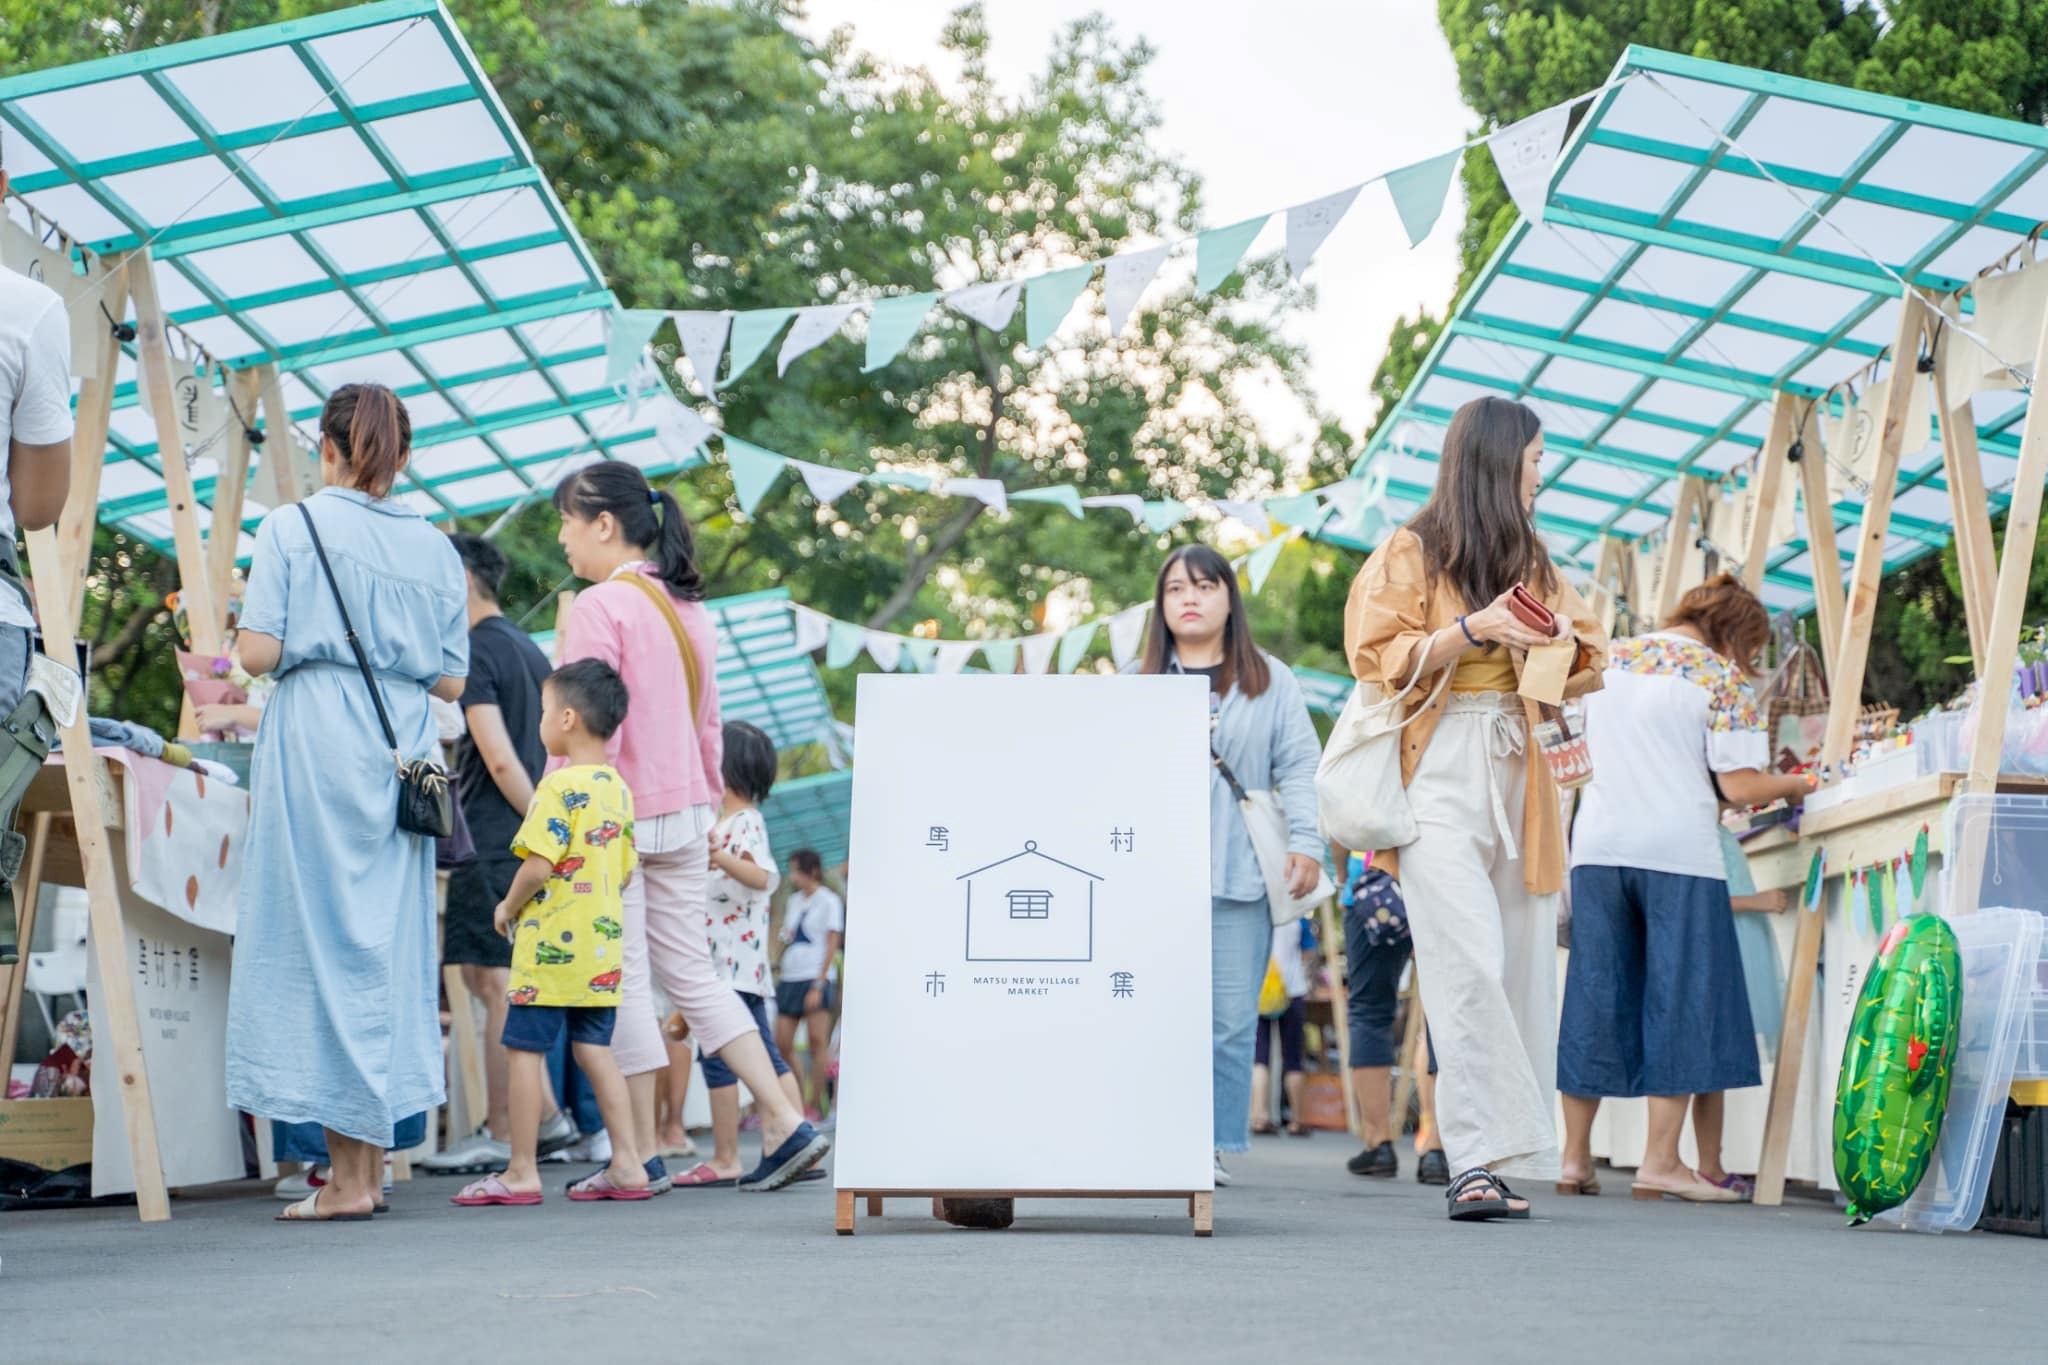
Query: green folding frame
[[343, 197], [1708, 242]]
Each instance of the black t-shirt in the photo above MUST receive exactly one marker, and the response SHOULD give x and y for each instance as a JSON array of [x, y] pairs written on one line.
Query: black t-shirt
[[505, 670], [1214, 673]]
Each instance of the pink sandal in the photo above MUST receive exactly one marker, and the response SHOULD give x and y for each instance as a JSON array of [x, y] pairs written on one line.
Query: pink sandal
[[600, 1186], [492, 1189], [703, 1177]]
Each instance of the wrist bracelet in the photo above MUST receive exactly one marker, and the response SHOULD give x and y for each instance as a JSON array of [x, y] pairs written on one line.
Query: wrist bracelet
[[1469, 636]]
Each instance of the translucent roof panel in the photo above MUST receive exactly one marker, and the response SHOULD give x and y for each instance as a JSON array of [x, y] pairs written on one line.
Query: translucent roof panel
[[345, 198], [1715, 235]]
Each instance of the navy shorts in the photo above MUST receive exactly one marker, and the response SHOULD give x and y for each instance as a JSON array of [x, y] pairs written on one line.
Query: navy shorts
[[1654, 1000], [789, 998], [537, 1028], [1374, 973], [717, 1075]]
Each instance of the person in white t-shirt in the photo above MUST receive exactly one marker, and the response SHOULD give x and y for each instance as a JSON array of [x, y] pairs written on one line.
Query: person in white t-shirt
[[813, 924], [1654, 1001]]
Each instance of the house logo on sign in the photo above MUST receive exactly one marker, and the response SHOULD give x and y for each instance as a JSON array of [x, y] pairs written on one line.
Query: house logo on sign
[[1030, 907]]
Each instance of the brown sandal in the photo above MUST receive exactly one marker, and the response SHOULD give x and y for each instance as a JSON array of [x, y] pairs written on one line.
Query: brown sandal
[[1588, 1186]]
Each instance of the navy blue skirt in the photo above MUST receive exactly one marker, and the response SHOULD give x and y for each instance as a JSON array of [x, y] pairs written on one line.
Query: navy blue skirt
[[1654, 1000]]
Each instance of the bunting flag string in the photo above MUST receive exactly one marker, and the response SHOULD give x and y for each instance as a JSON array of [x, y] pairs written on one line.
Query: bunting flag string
[[1526, 154]]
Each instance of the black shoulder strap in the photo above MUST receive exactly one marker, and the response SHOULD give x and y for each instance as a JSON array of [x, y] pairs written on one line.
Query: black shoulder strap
[[349, 630]]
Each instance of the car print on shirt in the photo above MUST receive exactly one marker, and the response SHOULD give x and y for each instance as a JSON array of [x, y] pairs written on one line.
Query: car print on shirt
[[549, 955], [569, 867], [603, 834], [608, 981], [575, 800], [525, 995], [559, 829], [607, 927]]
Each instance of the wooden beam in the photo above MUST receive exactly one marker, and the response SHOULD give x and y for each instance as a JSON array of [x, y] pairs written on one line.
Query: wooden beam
[[293, 479], [89, 450], [224, 526], [26, 894], [1607, 579], [1678, 550], [2022, 526], [1824, 559], [1845, 697], [1962, 469], [153, 348], [117, 1032], [1770, 489]]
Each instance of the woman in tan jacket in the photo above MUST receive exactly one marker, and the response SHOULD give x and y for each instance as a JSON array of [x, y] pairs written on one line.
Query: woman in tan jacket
[[1483, 875]]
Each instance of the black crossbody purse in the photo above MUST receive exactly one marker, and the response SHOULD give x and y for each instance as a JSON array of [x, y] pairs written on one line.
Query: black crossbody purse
[[426, 803]]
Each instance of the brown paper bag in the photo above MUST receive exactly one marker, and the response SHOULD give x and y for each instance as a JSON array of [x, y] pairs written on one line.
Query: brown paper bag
[[1545, 670]]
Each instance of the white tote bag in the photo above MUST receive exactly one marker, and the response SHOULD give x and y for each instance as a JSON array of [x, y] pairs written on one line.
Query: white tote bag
[[1265, 820], [1359, 795]]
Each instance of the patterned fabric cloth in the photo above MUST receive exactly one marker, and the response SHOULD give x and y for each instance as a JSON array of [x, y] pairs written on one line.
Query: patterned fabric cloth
[[567, 950], [735, 916]]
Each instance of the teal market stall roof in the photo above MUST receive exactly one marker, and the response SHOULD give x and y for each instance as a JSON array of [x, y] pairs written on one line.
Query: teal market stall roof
[[343, 197], [1678, 282], [811, 812]]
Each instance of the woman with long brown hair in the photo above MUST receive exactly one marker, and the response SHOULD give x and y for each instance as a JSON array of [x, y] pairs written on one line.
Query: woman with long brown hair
[[333, 1009], [1259, 729], [1482, 878], [1654, 1000]]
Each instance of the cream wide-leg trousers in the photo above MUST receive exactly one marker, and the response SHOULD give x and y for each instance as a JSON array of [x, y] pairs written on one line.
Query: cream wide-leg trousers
[[1486, 949]]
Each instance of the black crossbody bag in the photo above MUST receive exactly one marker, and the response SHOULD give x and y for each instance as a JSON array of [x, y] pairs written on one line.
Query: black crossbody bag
[[426, 803]]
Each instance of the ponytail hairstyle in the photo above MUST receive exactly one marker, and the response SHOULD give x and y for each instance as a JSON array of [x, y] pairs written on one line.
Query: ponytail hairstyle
[[371, 432], [648, 520]]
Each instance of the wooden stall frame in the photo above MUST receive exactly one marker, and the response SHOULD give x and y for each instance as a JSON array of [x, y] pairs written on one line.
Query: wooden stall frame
[[1845, 693], [1770, 489], [1821, 546]]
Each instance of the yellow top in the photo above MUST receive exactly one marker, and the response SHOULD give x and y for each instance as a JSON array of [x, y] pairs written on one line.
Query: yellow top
[[1485, 670], [569, 947]]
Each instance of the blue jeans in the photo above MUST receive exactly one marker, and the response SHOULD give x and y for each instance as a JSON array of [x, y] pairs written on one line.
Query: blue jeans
[[1240, 941], [307, 1142]]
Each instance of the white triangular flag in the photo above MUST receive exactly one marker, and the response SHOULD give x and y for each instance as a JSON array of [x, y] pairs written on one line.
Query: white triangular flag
[[703, 335], [992, 305], [826, 483], [813, 629], [989, 491], [679, 431], [1251, 514], [1038, 650], [885, 650], [1127, 633], [1525, 153], [813, 328], [1123, 283], [1129, 502], [954, 654], [1308, 224]]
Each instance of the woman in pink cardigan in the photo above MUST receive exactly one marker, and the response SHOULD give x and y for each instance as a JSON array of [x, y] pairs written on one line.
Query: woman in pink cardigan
[[644, 615]]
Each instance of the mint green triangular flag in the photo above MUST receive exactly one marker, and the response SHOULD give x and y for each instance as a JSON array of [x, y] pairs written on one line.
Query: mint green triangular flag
[[1165, 514], [1259, 563], [630, 331], [1001, 656], [1048, 299], [1419, 192], [1303, 509], [754, 471], [1218, 251], [902, 478], [844, 644], [752, 331], [1066, 495], [1074, 645], [920, 654], [892, 323]]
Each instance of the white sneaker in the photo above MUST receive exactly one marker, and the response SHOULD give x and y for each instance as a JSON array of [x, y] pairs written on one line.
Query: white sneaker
[[1222, 1175], [595, 1148], [557, 1132], [475, 1154], [296, 1187]]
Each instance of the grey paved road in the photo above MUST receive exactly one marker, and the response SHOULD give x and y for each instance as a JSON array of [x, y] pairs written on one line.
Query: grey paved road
[[1307, 1263]]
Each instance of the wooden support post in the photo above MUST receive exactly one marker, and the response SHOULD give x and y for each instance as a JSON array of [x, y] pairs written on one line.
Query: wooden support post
[[224, 527], [297, 473], [874, 1206], [1824, 559], [1678, 549], [1845, 701], [1607, 575], [88, 454], [842, 1213], [468, 1060], [117, 1033], [2022, 525], [1770, 489], [26, 893], [153, 349], [1963, 470], [1340, 1010], [565, 604], [1205, 1214], [1414, 1055]]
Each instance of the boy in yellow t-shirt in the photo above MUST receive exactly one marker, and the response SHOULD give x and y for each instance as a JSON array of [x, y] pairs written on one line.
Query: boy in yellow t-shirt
[[564, 917]]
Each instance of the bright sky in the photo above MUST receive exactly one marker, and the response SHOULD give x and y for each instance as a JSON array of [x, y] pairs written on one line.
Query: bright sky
[[1272, 104]]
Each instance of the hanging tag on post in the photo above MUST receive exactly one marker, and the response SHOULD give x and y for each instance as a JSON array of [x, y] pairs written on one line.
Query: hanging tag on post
[[58, 686]]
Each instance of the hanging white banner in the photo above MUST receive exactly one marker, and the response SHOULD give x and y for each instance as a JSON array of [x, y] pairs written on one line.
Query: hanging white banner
[[1525, 153], [813, 629], [989, 491], [679, 431], [813, 328], [1309, 224], [954, 654], [1129, 502], [202, 415], [703, 335], [1251, 514], [1127, 633], [827, 484], [1038, 650], [885, 650], [992, 305], [1124, 280]]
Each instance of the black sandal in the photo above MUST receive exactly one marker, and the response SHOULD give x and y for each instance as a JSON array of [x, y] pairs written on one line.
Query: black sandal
[[1482, 1210]]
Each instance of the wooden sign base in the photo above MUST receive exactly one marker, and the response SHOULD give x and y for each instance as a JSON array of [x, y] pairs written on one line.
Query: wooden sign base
[[1201, 1203]]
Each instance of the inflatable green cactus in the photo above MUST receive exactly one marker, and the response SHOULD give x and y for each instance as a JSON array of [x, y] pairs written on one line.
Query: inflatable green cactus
[[1893, 1090]]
